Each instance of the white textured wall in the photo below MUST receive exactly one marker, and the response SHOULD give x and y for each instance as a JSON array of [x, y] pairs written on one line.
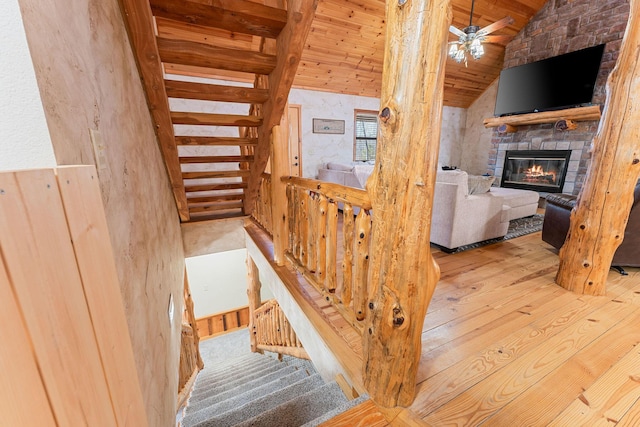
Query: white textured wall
[[218, 282], [451, 136], [24, 137], [477, 138], [322, 148]]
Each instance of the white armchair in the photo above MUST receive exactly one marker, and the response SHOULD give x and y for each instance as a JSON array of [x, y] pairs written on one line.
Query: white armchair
[[460, 218]]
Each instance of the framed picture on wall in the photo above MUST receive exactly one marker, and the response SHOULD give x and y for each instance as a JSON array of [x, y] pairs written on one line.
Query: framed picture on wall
[[328, 126]]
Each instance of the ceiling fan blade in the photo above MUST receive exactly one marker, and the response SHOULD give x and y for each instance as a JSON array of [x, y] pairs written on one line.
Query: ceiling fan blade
[[496, 25], [456, 31], [501, 40]]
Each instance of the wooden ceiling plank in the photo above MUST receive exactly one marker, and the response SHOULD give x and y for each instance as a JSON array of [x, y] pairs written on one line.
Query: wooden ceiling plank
[[215, 159], [139, 23], [214, 141], [234, 15], [211, 92], [204, 55], [290, 44], [208, 119]]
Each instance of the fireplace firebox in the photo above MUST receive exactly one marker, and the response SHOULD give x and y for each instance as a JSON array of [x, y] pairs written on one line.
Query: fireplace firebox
[[538, 170]]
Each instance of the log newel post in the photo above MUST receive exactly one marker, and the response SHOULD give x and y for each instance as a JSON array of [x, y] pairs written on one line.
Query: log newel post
[[599, 218], [403, 273], [279, 168], [255, 300]]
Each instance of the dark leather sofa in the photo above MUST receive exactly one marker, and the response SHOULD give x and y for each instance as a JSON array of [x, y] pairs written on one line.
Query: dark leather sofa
[[556, 226]]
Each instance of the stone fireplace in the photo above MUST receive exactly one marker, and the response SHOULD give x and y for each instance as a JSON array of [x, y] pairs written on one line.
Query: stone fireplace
[[562, 26], [538, 170]]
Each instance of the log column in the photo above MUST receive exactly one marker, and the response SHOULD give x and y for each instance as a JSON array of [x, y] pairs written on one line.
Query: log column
[[402, 270], [599, 219], [279, 202]]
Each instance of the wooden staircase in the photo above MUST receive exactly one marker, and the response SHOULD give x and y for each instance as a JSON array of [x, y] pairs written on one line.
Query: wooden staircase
[[217, 75]]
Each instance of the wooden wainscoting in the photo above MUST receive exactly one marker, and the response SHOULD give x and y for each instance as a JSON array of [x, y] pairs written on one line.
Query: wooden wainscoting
[[220, 323]]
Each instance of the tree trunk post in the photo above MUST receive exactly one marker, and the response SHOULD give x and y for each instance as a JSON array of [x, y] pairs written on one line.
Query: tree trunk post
[[600, 216], [403, 272]]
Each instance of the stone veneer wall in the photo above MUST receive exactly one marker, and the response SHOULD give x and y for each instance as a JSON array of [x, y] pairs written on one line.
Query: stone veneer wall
[[563, 26]]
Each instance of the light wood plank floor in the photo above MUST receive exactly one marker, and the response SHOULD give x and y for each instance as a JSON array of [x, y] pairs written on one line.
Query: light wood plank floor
[[503, 345]]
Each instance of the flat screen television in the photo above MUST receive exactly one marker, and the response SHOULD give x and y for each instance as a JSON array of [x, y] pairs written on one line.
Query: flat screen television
[[562, 81]]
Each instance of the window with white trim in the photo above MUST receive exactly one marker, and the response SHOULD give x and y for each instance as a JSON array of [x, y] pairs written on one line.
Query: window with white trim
[[366, 135]]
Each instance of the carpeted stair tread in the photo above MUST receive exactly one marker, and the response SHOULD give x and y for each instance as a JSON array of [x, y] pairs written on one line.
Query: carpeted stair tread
[[233, 373], [337, 411], [300, 410], [204, 418], [204, 387], [225, 401]]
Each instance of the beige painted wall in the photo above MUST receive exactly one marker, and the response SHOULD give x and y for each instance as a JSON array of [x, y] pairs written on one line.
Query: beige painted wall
[[88, 80]]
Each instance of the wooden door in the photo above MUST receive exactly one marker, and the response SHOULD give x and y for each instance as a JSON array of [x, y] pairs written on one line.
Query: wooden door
[[295, 141]]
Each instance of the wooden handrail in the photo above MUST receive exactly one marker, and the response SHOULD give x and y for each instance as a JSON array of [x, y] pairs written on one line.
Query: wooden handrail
[[314, 235], [341, 193]]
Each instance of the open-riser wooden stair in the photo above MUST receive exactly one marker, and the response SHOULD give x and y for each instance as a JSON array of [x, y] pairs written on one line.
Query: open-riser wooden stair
[[217, 74]]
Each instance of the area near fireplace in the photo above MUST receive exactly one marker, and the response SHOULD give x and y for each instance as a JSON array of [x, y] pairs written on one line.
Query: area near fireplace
[[538, 170]]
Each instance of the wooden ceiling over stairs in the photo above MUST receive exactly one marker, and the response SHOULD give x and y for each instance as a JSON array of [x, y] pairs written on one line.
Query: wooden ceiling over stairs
[[261, 43]]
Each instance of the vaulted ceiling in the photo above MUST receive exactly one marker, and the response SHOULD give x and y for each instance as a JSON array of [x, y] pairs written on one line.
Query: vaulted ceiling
[[344, 50]]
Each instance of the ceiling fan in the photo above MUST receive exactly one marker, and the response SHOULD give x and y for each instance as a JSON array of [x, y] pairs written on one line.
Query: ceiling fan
[[470, 39]]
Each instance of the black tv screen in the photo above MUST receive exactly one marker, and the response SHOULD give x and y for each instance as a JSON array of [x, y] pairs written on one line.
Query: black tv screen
[[559, 82]]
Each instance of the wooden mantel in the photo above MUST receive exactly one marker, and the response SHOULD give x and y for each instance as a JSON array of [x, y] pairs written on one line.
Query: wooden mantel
[[578, 114]]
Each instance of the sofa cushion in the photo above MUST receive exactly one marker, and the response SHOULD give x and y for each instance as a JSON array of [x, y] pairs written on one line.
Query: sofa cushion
[[515, 197], [480, 184], [339, 167]]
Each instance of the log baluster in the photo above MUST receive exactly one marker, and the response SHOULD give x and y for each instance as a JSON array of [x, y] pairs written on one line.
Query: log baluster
[[332, 246], [321, 233], [347, 260], [363, 234]]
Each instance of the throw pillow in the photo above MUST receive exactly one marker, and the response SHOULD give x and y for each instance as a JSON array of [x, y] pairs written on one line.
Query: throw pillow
[[480, 184]]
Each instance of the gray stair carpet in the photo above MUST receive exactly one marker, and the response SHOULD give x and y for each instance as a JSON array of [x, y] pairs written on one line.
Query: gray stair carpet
[[244, 389]]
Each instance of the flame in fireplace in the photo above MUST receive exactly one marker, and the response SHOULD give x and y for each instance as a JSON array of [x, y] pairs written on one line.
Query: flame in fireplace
[[536, 174]]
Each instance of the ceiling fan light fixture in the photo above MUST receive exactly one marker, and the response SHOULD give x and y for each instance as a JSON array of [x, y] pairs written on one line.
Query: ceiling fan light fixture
[[470, 38]]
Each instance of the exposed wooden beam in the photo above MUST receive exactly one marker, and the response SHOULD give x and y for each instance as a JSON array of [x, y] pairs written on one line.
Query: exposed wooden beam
[[240, 16], [139, 22], [598, 221], [204, 55], [403, 273], [210, 92], [214, 140], [215, 159], [187, 118], [290, 44]]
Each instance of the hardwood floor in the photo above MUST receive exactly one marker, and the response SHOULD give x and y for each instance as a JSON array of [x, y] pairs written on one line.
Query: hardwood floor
[[503, 345]]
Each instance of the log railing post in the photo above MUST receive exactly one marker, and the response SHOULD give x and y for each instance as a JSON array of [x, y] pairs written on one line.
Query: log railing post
[[600, 216], [403, 272], [279, 168], [255, 300]]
